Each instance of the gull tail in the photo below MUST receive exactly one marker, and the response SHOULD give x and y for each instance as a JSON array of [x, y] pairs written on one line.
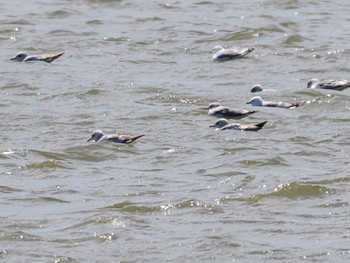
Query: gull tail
[[250, 113], [53, 57], [247, 51], [133, 138], [260, 125], [297, 104]]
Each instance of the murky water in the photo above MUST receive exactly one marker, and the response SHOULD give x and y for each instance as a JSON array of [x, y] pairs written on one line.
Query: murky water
[[184, 192]]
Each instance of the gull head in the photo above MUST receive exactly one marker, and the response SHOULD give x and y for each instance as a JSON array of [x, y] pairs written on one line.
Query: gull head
[[20, 57], [96, 136], [312, 83], [256, 88], [217, 48], [213, 105], [220, 123], [256, 101]]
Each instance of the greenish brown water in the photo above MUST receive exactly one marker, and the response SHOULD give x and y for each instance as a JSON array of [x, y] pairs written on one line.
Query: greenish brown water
[[183, 192]]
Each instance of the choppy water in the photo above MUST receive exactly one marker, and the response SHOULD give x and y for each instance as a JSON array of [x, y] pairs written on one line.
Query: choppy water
[[183, 192]]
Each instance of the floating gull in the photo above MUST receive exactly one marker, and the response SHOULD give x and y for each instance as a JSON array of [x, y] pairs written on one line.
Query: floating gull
[[328, 84], [215, 109], [98, 136], [259, 88], [222, 54], [223, 124], [23, 57], [258, 101]]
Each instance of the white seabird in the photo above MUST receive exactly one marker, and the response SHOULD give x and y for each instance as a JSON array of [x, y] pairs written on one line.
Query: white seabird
[[331, 84], [98, 136], [217, 110], [224, 124], [258, 101], [23, 57], [222, 54], [258, 88]]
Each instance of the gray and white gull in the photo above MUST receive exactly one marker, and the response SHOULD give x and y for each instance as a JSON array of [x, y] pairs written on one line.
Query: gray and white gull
[[258, 88], [98, 136], [258, 101], [23, 57], [222, 54], [331, 84], [217, 110], [224, 124]]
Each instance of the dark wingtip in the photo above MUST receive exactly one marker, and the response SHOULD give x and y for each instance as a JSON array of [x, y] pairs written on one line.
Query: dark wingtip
[[299, 104], [138, 136], [260, 125]]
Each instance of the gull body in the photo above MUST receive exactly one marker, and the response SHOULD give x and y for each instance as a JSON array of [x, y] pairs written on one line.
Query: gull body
[[23, 57], [331, 84], [258, 101], [217, 110], [98, 136], [222, 54], [224, 124]]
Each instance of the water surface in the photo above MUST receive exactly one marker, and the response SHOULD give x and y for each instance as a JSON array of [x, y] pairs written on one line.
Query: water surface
[[184, 192]]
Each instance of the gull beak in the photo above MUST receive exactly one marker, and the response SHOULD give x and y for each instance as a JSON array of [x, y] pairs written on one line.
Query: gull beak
[[211, 126], [249, 102], [89, 139], [12, 58]]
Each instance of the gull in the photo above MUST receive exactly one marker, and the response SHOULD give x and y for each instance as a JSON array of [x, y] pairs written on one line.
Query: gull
[[258, 101], [332, 84], [259, 88], [98, 136], [223, 124], [221, 54], [215, 109], [23, 57]]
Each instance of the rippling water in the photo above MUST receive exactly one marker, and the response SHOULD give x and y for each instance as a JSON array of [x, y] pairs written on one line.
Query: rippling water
[[183, 192]]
